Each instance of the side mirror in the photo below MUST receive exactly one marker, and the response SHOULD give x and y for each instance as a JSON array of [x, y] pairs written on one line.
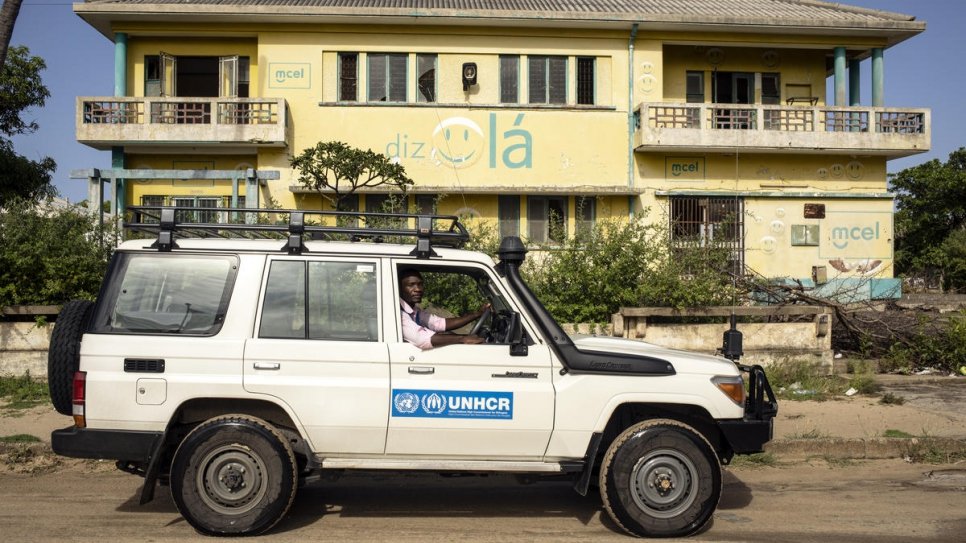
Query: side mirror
[[514, 336]]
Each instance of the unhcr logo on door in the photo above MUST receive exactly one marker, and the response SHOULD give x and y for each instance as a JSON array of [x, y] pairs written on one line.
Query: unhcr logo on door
[[453, 404], [289, 75]]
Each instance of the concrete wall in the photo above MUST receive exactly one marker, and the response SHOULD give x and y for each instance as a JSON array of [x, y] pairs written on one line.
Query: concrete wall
[[23, 348]]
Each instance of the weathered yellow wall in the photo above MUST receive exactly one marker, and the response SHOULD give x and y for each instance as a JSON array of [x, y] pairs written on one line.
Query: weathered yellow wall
[[797, 67], [760, 172], [139, 47], [855, 238], [468, 142]]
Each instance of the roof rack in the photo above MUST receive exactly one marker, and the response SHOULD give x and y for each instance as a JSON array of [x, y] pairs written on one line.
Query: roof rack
[[192, 222]]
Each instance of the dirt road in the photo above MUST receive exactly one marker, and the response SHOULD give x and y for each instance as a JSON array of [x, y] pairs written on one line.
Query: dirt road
[[883, 501]]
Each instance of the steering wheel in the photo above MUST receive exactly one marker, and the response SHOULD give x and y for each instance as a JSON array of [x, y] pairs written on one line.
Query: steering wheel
[[480, 322]]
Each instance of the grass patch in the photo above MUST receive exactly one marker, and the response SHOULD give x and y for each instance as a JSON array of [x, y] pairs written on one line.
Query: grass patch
[[928, 452], [23, 392], [814, 433], [897, 433], [19, 438], [864, 383], [796, 380], [891, 399], [765, 459]]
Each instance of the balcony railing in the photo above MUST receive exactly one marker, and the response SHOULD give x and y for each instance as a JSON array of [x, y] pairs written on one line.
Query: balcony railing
[[884, 131], [132, 122]]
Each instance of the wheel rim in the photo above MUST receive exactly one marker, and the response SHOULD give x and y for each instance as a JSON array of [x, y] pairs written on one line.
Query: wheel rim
[[232, 479], [664, 483]]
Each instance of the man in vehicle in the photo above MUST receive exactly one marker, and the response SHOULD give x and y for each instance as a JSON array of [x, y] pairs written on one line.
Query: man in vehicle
[[422, 328]]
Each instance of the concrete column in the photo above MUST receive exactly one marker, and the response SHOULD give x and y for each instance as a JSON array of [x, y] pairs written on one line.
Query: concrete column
[[839, 76], [855, 82], [120, 64], [878, 78], [120, 89], [117, 163]]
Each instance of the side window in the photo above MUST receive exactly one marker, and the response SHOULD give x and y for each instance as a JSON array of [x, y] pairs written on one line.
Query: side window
[[343, 301], [509, 79], [387, 77], [695, 87], [152, 75], [425, 77], [771, 88], [585, 80], [348, 77], [547, 218], [508, 209], [283, 313], [547, 79], [320, 300], [156, 294]]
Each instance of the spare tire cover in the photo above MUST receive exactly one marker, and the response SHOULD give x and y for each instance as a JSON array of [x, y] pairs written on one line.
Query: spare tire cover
[[63, 357]]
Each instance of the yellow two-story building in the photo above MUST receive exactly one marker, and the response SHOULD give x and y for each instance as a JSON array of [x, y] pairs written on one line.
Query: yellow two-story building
[[542, 117]]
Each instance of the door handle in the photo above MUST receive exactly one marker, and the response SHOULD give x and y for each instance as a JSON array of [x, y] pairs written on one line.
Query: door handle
[[267, 366], [422, 370]]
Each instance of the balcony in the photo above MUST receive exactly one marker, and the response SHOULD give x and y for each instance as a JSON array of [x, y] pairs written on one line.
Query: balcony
[[225, 125], [702, 128]]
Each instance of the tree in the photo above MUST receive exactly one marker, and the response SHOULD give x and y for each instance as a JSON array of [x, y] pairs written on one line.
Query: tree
[[21, 88], [8, 16], [930, 218], [337, 170], [50, 254]]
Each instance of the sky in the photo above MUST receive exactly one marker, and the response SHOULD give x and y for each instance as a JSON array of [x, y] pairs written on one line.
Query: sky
[[924, 71]]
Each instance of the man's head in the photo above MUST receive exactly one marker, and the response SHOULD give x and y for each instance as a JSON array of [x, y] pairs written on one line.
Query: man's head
[[411, 286]]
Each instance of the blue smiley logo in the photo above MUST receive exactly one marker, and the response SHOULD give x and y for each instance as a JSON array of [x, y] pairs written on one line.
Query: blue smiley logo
[[457, 142]]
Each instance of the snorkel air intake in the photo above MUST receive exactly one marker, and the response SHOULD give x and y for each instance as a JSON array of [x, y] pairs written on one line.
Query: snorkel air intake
[[512, 254]]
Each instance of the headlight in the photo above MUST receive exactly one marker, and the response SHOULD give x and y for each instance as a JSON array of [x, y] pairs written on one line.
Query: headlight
[[732, 386]]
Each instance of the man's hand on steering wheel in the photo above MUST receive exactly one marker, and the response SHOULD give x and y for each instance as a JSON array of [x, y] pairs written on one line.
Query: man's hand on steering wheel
[[485, 312]]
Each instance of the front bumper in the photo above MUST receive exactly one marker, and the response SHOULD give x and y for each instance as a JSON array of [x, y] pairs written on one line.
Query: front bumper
[[749, 435], [124, 445]]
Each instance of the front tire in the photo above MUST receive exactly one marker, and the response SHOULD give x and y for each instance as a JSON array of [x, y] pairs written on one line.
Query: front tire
[[660, 478], [233, 475]]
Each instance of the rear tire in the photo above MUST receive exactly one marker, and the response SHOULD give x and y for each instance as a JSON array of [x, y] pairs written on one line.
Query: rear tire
[[63, 356], [660, 478], [234, 475]]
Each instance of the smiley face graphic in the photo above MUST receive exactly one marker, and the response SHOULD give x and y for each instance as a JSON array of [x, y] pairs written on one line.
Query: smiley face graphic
[[457, 142]]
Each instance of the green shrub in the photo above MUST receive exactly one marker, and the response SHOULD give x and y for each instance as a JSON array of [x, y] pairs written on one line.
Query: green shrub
[[50, 254], [627, 263], [942, 348]]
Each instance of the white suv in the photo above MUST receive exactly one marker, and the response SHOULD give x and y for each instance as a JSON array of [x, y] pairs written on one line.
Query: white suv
[[236, 369]]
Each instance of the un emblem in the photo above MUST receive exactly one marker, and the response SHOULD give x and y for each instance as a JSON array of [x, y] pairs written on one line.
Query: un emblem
[[434, 403], [406, 402]]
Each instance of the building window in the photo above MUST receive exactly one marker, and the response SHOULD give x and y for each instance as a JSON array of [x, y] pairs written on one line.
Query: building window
[[585, 209], [585, 80], [152, 75], [695, 87], [387, 77], [347, 203], [508, 211], [205, 216], [700, 221], [425, 204], [771, 88], [547, 218], [348, 77], [426, 77], [547, 78], [509, 79]]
